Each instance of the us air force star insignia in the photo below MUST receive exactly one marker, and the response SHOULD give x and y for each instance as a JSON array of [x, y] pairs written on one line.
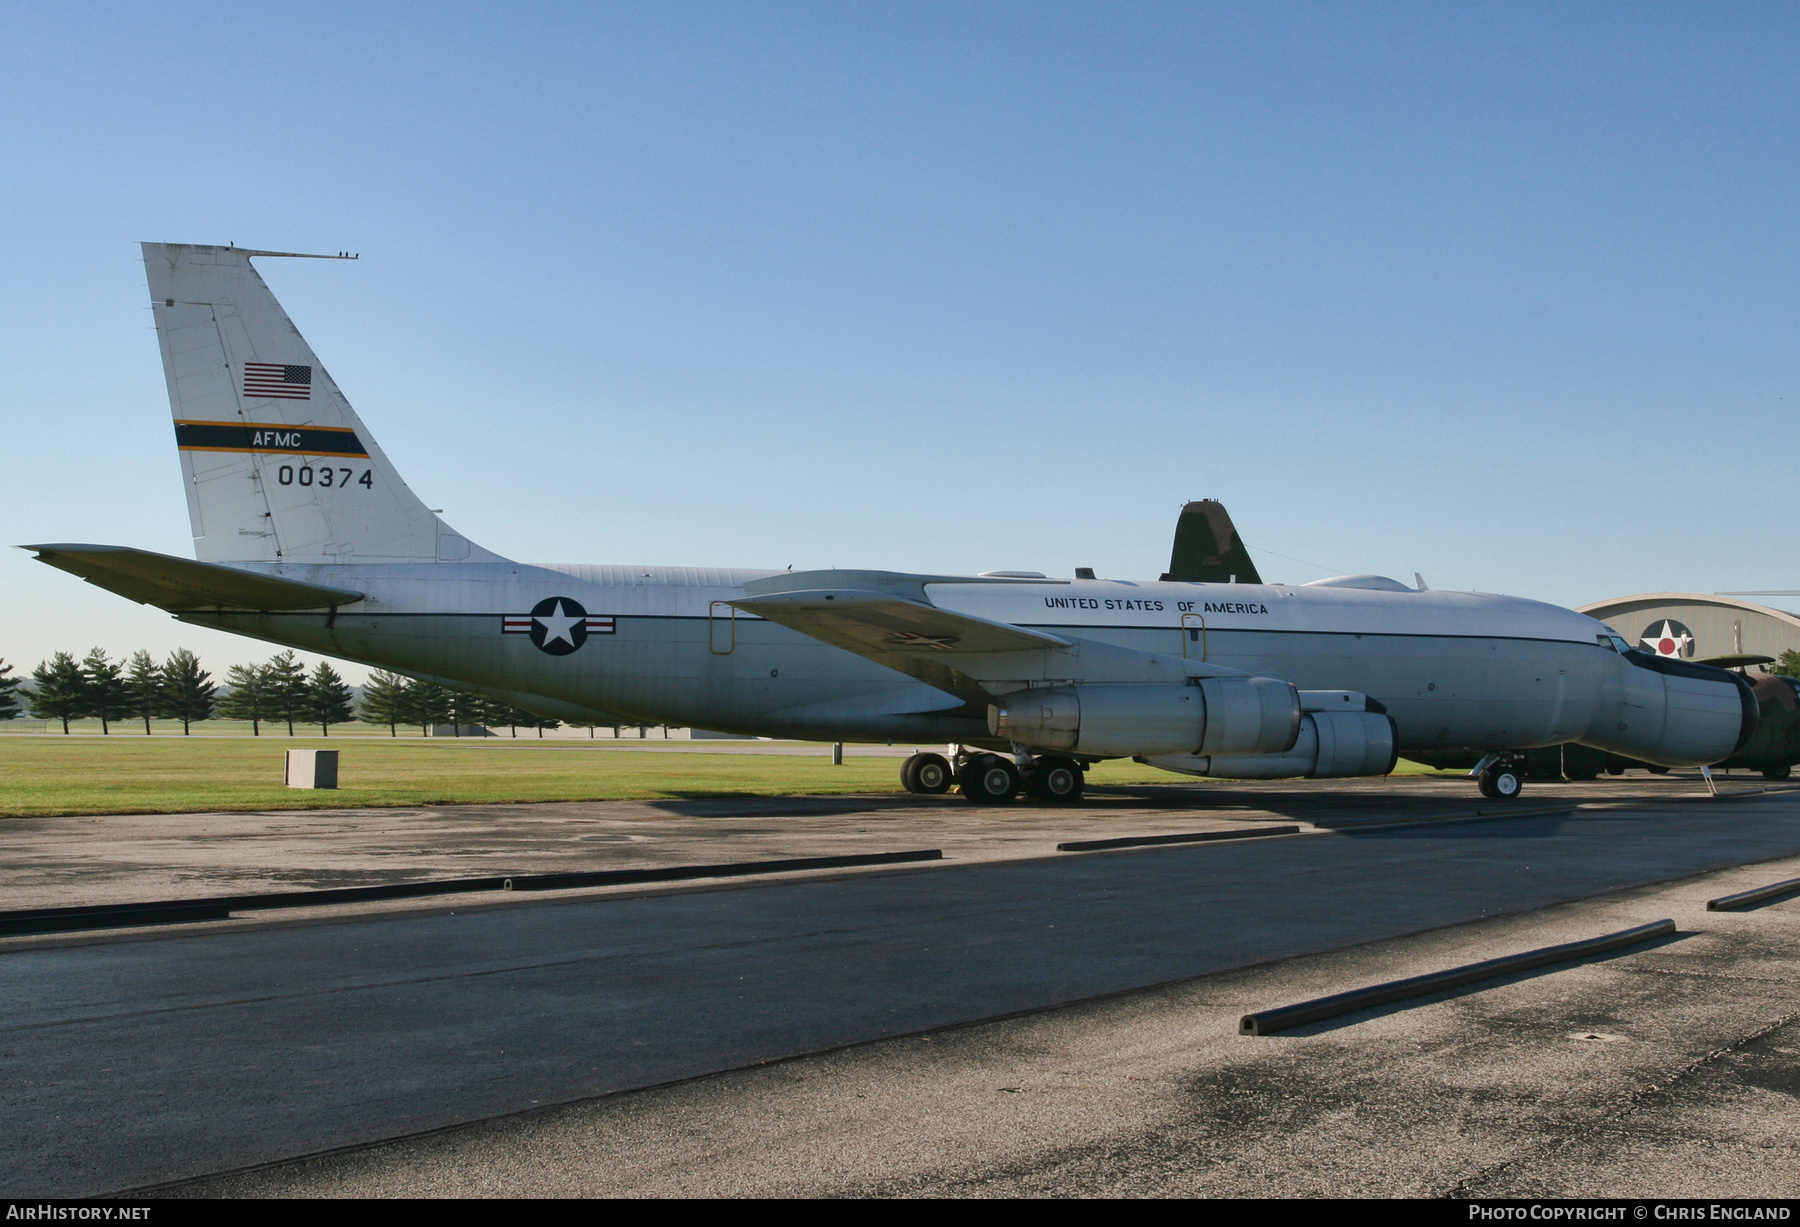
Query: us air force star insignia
[[1668, 638], [557, 625]]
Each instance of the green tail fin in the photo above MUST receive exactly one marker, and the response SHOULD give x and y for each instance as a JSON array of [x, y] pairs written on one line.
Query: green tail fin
[[1208, 549]]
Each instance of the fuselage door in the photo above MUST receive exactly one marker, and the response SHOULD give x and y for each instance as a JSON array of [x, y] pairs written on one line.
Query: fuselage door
[[1193, 636], [721, 628]]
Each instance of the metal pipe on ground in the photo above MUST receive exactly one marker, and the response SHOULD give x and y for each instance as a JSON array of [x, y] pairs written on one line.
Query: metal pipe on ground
[[219, 907], [1287, 1017], [109, 916], [1761, 894]]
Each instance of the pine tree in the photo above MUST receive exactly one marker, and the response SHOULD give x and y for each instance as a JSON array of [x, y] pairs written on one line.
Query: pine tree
[[286, 690], [105, 688], [329, 701], [143, 688], [248, 698], [469, 710], [61, 690], [512, 718], [478, 710], [9, 699], [187, 690], [430, 704], [385, 701]]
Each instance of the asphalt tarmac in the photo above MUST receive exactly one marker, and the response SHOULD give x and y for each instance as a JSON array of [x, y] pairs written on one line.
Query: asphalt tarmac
[[1110, 985]]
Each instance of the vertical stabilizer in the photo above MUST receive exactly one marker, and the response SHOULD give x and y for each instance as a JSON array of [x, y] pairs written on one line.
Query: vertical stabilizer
[[1208, 549], [278, 467]]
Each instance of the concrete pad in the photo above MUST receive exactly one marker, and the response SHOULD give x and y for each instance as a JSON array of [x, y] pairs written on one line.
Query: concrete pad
[[1494, 1091], [208, 1049], [50, 862]]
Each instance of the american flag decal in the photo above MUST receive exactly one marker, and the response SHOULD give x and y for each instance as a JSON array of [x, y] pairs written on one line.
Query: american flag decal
[[276, 380]]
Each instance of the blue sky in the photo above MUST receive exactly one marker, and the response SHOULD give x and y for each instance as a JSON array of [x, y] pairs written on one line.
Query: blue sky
[[1504, 294]]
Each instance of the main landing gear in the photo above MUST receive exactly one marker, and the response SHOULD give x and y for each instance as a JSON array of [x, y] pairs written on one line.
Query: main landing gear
[[988, 779], [994, 779], [927, 774], [1055, 778], [1500, 778]]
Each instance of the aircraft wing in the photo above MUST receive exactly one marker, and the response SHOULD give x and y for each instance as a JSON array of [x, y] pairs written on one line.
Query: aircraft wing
[[931, 644], [1738, 661], [879, 624], [178, 584]]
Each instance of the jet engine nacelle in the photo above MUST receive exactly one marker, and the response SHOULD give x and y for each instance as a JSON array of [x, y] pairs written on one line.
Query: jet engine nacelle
[[1331, 744], [1675, 713], [1216, 715]]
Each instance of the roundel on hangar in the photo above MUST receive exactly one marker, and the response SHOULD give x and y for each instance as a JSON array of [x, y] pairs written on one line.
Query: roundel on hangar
[[1667, 638], [1699, 626]]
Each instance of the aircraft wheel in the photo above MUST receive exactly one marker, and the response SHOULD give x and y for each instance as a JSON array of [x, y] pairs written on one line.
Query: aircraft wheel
[[1778, 773], [1502, 782], [1657, 770], [926, 774], [1614, 768], [1055, 778], [988, 779]]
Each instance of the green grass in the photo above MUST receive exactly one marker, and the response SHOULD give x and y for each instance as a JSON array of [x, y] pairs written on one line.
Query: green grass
[[49, 775]]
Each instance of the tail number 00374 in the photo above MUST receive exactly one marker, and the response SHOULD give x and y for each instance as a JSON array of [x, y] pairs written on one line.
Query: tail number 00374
[[325, 475]]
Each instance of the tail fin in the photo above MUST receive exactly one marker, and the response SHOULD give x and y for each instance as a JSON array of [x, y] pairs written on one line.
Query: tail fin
[[278, 466], [1208, 549]]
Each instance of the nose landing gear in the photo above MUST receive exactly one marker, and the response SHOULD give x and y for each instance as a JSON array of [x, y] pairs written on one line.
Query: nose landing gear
[[1499, 777]]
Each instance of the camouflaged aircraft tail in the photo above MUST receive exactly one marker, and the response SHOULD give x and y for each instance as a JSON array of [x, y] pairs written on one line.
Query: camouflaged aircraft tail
[[1208, 549], [278, 466]]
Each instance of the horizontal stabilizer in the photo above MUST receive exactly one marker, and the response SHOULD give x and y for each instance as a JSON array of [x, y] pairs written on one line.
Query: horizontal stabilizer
[[178, 584]]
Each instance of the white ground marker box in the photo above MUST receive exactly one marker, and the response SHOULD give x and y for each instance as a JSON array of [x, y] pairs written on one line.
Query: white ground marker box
[[312, 768]]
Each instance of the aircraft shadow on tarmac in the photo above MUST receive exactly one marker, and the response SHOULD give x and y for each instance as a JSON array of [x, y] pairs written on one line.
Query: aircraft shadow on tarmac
[[1119, 798], [1524, 826]]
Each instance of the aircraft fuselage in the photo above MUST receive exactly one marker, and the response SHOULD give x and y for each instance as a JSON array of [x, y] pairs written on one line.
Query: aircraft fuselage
[[663, 645]]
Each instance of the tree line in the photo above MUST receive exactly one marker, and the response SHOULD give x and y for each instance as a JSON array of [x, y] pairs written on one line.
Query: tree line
[[278, 692], [141, 688], [394, 700]]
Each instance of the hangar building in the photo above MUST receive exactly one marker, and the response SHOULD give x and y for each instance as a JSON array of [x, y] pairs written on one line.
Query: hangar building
[[1696, 625]]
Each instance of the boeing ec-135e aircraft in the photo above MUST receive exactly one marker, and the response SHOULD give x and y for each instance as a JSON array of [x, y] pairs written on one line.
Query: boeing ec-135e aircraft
[[306, 536]]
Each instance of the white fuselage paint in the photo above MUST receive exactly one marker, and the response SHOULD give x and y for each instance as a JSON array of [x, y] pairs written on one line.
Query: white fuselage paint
[[1453, 669]]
